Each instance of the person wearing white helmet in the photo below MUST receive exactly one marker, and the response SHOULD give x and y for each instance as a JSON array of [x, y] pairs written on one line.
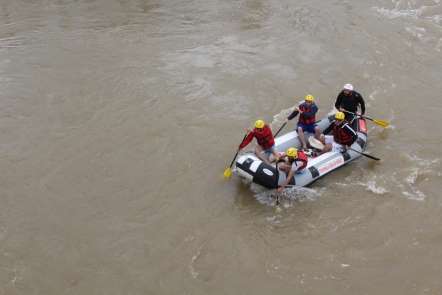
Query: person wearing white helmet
[[348, 101]]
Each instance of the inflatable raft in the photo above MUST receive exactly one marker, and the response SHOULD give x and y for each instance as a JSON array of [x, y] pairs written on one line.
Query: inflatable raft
[[250, 168]]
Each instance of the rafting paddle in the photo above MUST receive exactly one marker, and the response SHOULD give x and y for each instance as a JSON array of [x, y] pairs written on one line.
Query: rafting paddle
[[294, 114], [228, 171], [366, 155], [279, 130], [378, 122], [315, 143], [320, 146]]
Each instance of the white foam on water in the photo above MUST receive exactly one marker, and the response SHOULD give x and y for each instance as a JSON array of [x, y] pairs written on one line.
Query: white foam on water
[[287, 197], [374, 188], [195, 257], [428, 14], [415, 195], [409, 183], [412, 9], [395, 13]]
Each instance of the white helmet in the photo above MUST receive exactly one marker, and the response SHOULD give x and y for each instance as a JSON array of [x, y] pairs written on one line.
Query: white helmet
[[348, 87]]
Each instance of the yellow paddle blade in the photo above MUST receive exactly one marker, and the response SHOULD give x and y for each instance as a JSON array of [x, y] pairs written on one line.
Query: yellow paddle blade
[[227, 172], [381, 123]]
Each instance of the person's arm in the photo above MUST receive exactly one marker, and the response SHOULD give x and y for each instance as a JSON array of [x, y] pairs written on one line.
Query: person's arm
[[328, 129], [246, 141], [350, 131], [287, 181], [338, 101], [293, 114], [362, 103]]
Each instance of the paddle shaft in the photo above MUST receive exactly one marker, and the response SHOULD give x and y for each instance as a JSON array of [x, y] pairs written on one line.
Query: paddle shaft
[[279, 130], [316, 145], [364, 154], [362, 116], [233, 160], [285, 123]]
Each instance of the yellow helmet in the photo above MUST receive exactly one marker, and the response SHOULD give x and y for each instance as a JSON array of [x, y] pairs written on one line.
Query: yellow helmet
[[259, 124], [292, 152], [309, 97], [340, 116]]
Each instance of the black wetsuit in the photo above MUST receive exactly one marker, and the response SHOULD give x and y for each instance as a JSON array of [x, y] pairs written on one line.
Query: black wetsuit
[[350, 103]]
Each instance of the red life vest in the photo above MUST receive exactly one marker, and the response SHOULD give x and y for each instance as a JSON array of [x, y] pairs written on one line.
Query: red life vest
[[303, 158], [341, 136], [302, 118], [264, 137]]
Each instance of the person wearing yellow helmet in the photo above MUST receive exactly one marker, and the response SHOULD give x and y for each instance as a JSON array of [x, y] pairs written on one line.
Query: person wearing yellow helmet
[[343, 135], [293, 161], [307, 119], [348, 101], [265, 139]]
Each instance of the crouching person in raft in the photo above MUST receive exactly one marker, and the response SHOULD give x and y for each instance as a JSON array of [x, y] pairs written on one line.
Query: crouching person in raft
[[265, 139], [343, 135], [293, 161]]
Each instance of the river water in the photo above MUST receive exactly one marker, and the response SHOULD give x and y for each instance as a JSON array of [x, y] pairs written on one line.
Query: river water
[[118, 118]]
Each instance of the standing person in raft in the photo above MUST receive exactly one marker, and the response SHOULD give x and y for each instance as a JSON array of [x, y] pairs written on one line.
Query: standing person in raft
[[266, 142], [343, 135], [307, 118], [348, 101], [293, 161]]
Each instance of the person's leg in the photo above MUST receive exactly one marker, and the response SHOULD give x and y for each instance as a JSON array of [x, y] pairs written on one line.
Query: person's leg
[[317, 133], [322, 138], [302, 137], [272, 154], [327, 140], [275, 155], [327, 148], [259, 152]]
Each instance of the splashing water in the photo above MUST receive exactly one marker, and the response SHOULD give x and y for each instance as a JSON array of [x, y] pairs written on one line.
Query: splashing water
[[287, 197]]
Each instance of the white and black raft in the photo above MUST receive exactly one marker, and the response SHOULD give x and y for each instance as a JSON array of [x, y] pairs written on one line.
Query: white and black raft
[[252, 169]]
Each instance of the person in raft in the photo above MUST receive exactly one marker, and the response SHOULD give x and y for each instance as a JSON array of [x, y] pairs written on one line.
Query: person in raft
[[348, 101], [266, 143], [293, 161], [343, 135], [307, 118]]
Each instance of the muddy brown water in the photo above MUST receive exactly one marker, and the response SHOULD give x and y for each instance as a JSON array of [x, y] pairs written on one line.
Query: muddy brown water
[[117, 119]]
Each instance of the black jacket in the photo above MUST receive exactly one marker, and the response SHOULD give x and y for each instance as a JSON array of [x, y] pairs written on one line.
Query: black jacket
[[350, 102]]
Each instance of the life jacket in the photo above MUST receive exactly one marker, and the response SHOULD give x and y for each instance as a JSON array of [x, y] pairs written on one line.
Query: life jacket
[[303, 119], [302, 157], [341, 135], [264, 137]]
